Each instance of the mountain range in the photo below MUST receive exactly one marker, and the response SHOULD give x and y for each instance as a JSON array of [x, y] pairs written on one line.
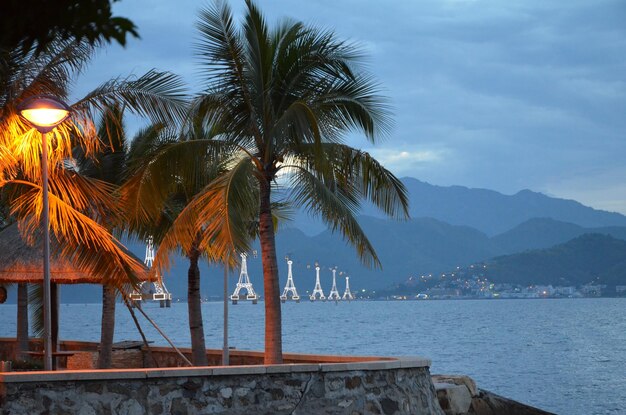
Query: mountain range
[[591, 257], [488, 211], [450, 226]]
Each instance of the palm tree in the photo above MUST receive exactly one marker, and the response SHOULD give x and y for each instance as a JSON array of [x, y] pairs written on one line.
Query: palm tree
[[167, 171], [82, 209], [77, 203], [109, 166], [285, 99]]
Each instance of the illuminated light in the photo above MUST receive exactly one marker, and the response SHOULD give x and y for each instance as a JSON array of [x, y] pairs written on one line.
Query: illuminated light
[[44, 112], [45, 117]]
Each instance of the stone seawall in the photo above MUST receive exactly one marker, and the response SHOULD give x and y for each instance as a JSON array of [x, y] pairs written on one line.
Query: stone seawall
[[400, 386]]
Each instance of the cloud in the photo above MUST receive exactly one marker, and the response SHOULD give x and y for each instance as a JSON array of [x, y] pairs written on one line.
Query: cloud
[[405, 161], [487, 93], [602, 188]]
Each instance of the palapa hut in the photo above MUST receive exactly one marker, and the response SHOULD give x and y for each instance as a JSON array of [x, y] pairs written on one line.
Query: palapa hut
[[22, 264]]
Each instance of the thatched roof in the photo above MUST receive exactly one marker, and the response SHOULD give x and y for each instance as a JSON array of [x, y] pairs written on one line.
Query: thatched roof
[[22, 263]]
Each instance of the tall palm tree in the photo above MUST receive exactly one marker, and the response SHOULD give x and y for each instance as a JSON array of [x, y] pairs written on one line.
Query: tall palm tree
[[167, 171], [107, 165], [285, 100], [82, 209]]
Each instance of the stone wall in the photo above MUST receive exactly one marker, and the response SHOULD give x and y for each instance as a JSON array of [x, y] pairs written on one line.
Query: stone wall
[[399, 386]]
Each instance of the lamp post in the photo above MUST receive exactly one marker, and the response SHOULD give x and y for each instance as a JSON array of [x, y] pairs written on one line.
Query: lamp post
[[44, 113]]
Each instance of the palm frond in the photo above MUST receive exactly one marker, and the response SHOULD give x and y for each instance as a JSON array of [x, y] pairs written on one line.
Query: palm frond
[[50, 71], [85, 243], [336, 211], [175, 166], [109, 163], [353, 170], [157, 95], [216, 221], [221, 50]]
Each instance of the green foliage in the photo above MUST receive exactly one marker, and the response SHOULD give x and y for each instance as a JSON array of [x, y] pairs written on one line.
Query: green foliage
[[287, 97], [37, 24]]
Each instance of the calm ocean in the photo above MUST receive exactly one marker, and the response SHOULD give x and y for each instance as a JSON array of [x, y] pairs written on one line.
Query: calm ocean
[[565, 356]]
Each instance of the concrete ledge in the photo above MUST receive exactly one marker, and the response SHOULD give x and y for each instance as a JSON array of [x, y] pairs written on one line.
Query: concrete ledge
[[112, 374], [414, 361], [233, 370]]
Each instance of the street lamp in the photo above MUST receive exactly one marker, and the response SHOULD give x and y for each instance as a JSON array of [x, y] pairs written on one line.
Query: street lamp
[[44, 113]]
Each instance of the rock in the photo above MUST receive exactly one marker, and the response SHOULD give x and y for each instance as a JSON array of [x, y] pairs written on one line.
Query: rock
[[85, 409], [373, 407], [453, 399], [179, 407], [130, 407], [241, 392], [389, 406], [277, 394], [226, 393], [353, 382], [345, 403], [488, 403], [458, 380]]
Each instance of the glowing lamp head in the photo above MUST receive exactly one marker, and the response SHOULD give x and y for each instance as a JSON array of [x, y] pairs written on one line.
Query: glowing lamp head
[[44, 112]]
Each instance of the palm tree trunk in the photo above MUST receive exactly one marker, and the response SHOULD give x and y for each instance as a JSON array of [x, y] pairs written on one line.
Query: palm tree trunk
[[54, 316], [196, 328], [22, 320], [107, 329], [273, 323]]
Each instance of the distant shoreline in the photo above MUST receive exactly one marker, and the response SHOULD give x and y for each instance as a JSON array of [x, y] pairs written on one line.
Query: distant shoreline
[[156, 304]]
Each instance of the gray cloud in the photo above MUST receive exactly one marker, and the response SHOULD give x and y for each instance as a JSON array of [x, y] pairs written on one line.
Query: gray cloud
[[497, 94]]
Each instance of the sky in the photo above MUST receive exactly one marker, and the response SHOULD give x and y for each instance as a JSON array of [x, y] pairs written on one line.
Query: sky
[[504, 95]]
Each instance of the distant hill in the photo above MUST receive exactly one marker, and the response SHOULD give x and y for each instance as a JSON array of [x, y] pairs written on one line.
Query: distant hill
[[493, 212], [486, 210], [540, 233], [587, 258], [405, 248], [425, 245]]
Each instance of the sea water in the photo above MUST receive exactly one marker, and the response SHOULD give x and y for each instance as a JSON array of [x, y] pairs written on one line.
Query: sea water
[[565, 356]]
